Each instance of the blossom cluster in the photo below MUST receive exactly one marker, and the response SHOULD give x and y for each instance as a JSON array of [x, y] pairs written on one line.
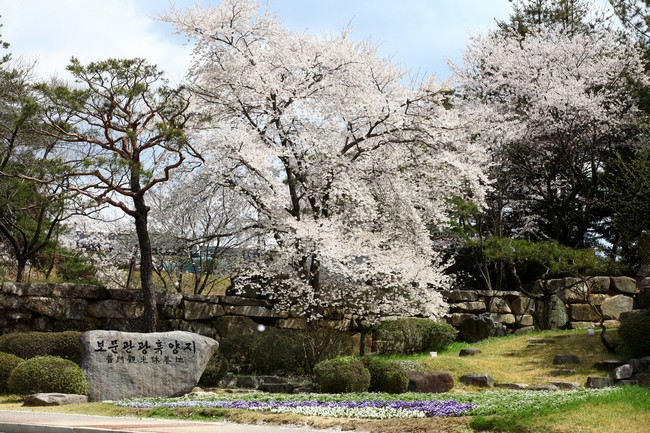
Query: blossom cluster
[[380, 405], [376, 409]]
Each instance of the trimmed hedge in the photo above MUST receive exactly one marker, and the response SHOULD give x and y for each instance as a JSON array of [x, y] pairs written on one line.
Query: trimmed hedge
[[26, 345], [7, 364], [413, 335], [47, 374], [635, 333], [343, 374], [386, 376]]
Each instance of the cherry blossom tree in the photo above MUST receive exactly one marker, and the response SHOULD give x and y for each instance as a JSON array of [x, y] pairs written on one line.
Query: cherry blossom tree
[[550, 106], [199, 232], [347, 168]]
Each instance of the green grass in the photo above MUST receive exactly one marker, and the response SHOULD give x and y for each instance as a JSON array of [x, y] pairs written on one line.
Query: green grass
[[625, 409], [506, 359], [514, 359]]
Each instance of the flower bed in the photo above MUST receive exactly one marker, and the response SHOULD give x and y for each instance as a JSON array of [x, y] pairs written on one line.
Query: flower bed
[[377, 405], [377, 409]]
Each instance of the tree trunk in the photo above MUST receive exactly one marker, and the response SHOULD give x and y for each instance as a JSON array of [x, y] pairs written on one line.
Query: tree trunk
[[20, 269], [314, 282], [547, 310], [150, 318], [362, 341]]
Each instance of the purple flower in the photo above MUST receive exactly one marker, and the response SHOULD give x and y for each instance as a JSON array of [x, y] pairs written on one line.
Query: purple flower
[[429, 407]]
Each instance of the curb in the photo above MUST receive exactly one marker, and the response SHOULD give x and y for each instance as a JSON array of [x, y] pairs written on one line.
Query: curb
[[39, 428]]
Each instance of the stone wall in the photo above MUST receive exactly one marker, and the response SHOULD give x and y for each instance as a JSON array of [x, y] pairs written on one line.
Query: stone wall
[[59, 307], [573, 303]]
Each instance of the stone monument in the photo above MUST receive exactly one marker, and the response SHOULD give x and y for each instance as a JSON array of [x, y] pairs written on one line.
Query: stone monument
[[120, 365]]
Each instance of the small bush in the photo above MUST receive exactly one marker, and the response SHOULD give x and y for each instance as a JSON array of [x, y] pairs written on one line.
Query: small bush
[[343, 374], [7, 363], [27, 345], [386, 376], [413, 335], [438, 336], [71, 266], [215, 371], [634, 333], [297, 351], [47, 374], [294, 351], [276, 351], [237, 350]]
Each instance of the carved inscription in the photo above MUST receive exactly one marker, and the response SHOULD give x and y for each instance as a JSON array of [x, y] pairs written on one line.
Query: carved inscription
[[144, 351]]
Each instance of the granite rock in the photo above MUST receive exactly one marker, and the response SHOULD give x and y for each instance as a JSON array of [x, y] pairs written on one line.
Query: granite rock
[[121, 365]]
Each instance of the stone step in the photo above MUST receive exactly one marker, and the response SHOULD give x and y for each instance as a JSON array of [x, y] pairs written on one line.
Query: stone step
[[540, 341]]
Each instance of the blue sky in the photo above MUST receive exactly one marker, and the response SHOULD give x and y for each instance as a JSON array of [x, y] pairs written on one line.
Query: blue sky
[[420, 35]]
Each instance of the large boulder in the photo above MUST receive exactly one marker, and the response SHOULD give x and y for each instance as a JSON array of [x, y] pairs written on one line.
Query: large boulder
[[499, 305], [121, 365], [468, 307], [521, 305], [479, 380], [599, 285], [426, 381], [598, 382], [556, 313], [623, 372], [613, 307], [626, 285], [476, 328], [54, 399], [194, 310], [584, 313]]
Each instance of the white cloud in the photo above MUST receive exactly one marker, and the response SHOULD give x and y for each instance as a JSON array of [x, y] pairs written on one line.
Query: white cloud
[[51, 32], [420, 35]]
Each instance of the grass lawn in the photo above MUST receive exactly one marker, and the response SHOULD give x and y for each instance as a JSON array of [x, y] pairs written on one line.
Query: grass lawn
[[508, 359], [517, 359]]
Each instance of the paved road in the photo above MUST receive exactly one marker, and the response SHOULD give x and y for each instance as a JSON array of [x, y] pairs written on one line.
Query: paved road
[[39, 422]]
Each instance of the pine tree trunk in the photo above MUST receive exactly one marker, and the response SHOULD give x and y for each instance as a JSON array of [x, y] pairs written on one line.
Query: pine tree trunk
[[150, 319], [20, 270]]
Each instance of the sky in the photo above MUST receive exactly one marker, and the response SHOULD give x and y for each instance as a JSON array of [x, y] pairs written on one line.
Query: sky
[[419, 35]]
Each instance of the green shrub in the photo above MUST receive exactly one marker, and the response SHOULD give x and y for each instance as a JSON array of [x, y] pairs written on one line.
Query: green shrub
[[277, 351], [530, 259], [7, 363], [321, 344], [386, 376], [294, 351], [437, 336], [215, 371], [47, 374], [71, 266], [343, 374], [297, 351], [413, 335], [27, 345], [634, 333], [237, 350]]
